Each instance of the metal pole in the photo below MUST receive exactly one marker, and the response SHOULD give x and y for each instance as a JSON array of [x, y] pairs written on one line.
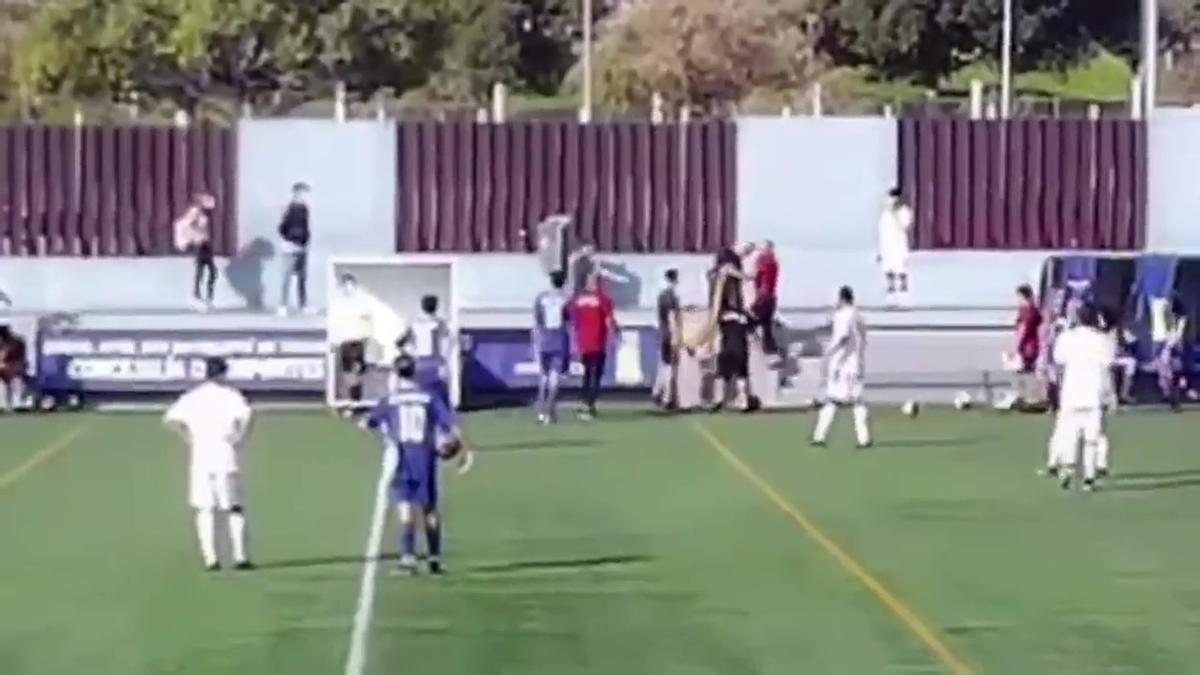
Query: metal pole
[[585, 114], [1149, 56], [1006, 48]]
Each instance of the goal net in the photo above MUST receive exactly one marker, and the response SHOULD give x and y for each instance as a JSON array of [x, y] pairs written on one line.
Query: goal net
[[372, 302]]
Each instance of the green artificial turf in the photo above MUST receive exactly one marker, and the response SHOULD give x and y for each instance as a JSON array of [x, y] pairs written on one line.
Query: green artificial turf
[[630, 545]]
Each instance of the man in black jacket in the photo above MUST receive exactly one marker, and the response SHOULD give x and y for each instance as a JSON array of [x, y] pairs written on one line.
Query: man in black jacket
[[293, 229]]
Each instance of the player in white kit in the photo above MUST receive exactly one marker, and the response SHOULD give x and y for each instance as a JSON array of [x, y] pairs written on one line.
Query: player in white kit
[[844, 360], [1085, 355], [214, 419]]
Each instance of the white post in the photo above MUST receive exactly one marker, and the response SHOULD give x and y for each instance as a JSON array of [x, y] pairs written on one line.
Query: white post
[[481, 116], [1006, 49], [976, 99], [339, 102], [585, 113], [1149, 66], [818, 107], [889, 111], [657, 109], [1093, 112], [182, 119], [685, 114], [786, 112], [1135, 96], [499, 102], [78, 118]]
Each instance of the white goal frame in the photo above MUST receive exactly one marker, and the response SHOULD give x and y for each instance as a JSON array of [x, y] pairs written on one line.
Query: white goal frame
[[451, 306]]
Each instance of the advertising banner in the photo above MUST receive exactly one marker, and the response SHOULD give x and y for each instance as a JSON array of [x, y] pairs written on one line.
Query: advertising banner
[[500, 360], [130, 361]]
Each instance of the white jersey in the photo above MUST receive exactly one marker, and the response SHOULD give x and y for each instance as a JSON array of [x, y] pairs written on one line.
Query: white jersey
[[216, 417], [894, 226], [428, 338], [846, 355], [1086, 357]]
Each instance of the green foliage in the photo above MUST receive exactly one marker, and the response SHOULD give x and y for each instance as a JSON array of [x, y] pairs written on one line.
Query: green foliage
[[926, 40], [187, 50]]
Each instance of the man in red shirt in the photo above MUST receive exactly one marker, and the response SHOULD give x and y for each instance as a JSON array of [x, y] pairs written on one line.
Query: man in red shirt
[[766, 280], [594, 322], [1028, 339]]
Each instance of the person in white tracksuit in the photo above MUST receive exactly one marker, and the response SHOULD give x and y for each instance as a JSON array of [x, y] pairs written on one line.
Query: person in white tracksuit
[[1085, 355], [844, 364], [895, 225]]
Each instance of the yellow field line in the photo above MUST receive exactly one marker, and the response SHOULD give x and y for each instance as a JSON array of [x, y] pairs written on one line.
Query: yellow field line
[[40, 457], [908, 617]]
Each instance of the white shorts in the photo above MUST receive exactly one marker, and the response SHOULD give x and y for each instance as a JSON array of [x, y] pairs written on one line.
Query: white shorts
[[215, 490], [845, 385], [894, 262], [1074, 425]]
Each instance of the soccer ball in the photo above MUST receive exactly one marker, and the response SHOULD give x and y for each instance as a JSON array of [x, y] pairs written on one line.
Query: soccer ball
[[910, 408], [962, 400]]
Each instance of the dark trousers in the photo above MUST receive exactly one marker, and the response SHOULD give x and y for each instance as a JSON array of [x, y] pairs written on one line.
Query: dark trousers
[[205, 266], [764, 318], [593, 372]]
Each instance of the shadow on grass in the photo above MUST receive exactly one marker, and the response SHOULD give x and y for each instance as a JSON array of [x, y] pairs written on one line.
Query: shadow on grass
[[541, 444], [301, 563], [1153, 486], [1144, 475], [571, 564]]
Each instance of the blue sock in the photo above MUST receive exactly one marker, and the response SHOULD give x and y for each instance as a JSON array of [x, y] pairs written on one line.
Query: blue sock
[[433, 536], [408, 540]]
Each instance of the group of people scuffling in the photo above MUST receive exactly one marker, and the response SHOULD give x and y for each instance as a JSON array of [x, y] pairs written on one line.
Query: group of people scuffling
[[1038, 381], [193, 235]]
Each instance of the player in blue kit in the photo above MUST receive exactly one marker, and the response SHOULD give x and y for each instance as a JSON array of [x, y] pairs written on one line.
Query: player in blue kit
[[428, 343], [551, 345], [412, 419]]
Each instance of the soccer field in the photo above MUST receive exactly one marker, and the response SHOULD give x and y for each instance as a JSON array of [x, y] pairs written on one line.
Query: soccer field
[[634, 544]]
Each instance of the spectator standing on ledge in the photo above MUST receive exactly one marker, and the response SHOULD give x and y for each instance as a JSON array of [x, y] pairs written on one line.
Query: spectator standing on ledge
[[294, 231], [895, 224], [193, 234]]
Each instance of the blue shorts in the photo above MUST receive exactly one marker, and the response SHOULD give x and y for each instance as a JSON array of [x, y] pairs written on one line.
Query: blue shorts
[[551, 362], [416, 483]]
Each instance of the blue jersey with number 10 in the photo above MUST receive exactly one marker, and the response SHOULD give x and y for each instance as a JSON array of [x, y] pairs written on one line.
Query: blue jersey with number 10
[[411, 418]]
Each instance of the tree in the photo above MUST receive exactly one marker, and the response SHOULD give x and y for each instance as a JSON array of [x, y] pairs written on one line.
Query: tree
[[925, 40], [185, 50], [703, 53]]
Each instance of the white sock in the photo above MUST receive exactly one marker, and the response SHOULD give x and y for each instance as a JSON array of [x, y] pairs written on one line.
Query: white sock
[[1102, 453], [1089, 459], [824, 421], [237, 535], [206, 526], [861, 429]]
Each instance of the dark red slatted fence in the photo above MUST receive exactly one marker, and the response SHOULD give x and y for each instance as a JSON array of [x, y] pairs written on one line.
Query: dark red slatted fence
[[632, 187], [1025, 184], [111, 191]]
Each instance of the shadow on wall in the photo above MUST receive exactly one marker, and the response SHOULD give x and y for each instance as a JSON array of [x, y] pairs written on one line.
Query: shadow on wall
[[246, 269]]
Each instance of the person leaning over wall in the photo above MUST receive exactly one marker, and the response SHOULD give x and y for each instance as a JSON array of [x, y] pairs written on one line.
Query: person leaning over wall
[[193, 234]]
